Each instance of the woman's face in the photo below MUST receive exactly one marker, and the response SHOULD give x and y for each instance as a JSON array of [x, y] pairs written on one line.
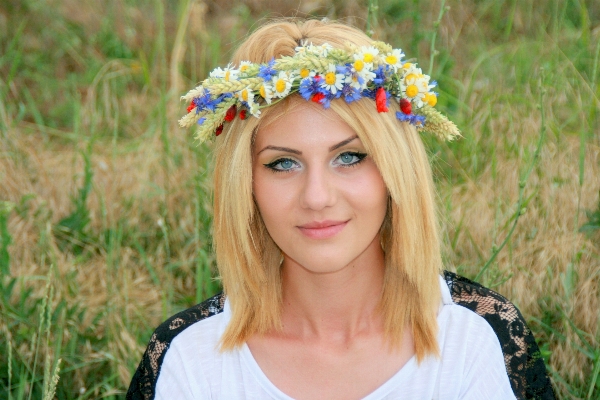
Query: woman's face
[[320, 195]]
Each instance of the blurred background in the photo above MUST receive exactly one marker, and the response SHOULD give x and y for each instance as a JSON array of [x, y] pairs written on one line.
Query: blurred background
[[105, 212]]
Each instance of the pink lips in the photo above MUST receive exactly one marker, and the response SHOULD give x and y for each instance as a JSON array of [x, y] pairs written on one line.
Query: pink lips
[[322, 229]]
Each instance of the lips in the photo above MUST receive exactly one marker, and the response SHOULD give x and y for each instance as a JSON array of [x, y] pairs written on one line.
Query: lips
[[322, 229]]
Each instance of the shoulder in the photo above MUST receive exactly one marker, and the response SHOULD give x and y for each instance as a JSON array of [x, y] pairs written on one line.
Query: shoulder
[[524, 364], [465, 337], [143, 383]]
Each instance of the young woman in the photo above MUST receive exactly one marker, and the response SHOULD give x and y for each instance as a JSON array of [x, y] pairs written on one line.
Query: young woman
[[327, 241]]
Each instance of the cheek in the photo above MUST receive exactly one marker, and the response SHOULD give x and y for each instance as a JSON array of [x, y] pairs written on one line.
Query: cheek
[[369, 192], [271, 198]]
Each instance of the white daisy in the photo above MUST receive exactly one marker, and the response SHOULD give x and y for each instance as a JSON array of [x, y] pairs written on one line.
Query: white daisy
[[430, 98], [282, 84], [415, 87], [394, 59], [332, 80], [228, 73], [362, 70], [408, 65], [309, 48], [368, 54], [411, 69], [306, 73], [246, 95], [302, 48], [244, 65], [255, 110], [319, 51], [266, 91]]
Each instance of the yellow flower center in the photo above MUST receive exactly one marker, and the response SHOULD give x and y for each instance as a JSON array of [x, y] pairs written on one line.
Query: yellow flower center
[[280, 85], [407, 65], [409, 77], [359, 65], [304, 73], [330, 78], [227, 75], [391, 59], [368, 57], [412, 91], [431, 99], [245, 94], [263, 92]]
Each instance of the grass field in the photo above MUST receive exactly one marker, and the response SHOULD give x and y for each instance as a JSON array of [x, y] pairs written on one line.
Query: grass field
[[105, 209]]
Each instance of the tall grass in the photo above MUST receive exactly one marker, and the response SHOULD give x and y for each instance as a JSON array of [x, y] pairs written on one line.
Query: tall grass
[[105, 213]]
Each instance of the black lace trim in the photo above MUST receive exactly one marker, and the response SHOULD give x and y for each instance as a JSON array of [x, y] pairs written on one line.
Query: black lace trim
[[524, 364], [143, 383]]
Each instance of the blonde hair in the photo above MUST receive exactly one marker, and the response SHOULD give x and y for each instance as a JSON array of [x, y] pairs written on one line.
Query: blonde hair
[[248, 259]]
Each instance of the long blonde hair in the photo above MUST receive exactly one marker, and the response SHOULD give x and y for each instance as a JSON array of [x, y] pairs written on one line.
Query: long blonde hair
[[248, 259]]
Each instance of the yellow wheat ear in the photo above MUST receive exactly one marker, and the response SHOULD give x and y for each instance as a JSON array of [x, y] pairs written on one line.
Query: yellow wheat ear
[[438, 124]]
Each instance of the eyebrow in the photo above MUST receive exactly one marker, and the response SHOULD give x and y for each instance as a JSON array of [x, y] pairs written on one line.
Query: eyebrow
[[342, 143], [298, 152]]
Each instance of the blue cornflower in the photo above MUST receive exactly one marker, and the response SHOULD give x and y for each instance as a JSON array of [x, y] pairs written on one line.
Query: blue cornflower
[[202, 102], [214, 103], [379, 76], [201, 121], [310, 87], [326, 101], [267, 71], [344, 69], [350, 94], [370, 93], [205, 102], [416, 120]]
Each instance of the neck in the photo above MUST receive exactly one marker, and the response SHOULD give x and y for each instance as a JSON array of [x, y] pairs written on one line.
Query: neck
[[341, 304]]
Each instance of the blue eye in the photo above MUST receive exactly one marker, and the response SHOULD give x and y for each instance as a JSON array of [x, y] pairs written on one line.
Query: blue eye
[[286, 164], [350, 158], [282, 165]]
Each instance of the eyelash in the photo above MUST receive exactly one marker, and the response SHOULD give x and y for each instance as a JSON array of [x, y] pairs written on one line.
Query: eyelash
[[272, 165]]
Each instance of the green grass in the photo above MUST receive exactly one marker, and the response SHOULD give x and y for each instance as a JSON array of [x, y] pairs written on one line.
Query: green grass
[[105, 208]]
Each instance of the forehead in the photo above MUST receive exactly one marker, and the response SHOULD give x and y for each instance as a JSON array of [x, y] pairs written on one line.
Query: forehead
[[303, 124]]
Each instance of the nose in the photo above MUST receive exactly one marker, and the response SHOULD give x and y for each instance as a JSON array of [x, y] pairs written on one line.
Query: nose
[[318, 190]]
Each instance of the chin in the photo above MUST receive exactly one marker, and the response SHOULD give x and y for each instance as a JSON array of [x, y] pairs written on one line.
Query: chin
[[321, 263]]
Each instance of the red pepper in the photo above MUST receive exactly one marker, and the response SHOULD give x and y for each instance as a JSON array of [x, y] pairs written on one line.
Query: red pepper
[[381, 100], [219, 130], [230, 114], [405, 106]]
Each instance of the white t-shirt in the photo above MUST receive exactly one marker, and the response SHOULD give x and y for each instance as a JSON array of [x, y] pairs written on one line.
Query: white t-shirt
[[471, 365]]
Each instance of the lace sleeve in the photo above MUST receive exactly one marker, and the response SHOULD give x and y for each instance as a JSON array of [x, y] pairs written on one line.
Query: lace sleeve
[[524, 364], [143, 383]]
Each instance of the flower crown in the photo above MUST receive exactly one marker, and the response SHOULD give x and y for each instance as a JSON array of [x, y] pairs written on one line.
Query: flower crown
[[319, 74]]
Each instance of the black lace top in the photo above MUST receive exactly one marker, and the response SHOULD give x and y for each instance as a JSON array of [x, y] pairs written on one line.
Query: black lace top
[[525, 367]]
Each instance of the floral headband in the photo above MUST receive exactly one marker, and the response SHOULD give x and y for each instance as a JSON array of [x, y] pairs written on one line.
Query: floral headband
[[319, 74]]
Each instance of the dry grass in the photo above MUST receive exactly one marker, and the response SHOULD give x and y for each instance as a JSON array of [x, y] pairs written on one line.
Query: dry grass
[[138, 261]]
